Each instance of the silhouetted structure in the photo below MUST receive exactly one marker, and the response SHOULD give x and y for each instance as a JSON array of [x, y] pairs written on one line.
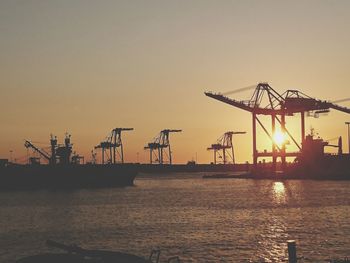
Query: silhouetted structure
[[266, 101], [112, 147], [74, 253], [65, 170], [224, 144], [348, 124], [60, 153], [158, 146]]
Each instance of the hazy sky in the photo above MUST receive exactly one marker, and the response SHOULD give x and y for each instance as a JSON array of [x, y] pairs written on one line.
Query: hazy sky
[[88, 66]]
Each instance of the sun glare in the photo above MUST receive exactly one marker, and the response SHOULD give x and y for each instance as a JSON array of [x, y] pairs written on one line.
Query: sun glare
[[279, 138]]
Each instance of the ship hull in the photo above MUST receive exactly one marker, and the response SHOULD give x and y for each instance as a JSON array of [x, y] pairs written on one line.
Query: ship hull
[[31, 177]]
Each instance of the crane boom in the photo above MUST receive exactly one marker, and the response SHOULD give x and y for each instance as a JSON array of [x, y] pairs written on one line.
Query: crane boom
[[44, 154], [288, 106], [232, 102], [123, 129], [339, 108], [171, 130]]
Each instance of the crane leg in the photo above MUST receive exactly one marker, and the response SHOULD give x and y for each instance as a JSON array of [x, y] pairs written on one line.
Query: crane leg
[[255, 157], [283, 128], [302, 117], [122, 152], [170, 159], [274, 157]]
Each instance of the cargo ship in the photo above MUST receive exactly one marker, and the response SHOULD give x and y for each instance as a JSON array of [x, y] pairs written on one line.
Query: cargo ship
[[64, 170], [314, 163]]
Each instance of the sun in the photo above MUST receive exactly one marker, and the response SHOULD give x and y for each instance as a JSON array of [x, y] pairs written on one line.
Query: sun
[[279, 138]]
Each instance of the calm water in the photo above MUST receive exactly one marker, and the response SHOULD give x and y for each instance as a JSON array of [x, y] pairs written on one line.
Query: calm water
[[227, 220]]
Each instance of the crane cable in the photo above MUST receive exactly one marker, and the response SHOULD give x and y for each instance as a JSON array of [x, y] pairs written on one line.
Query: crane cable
[[239, 90]]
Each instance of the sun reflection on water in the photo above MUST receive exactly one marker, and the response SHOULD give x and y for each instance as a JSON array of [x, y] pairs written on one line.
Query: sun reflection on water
[[279, 193], [273, 240], [274, 230]]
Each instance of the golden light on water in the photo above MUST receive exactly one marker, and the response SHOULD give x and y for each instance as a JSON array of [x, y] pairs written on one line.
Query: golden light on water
[[275, 231], [279, 192]]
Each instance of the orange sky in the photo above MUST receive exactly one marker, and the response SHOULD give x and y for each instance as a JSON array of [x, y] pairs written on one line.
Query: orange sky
[[88, 66]]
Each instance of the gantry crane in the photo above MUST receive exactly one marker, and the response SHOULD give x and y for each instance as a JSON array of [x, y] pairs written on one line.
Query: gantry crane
[[266, 101], [158, 145], [112, 146], [224, 144]]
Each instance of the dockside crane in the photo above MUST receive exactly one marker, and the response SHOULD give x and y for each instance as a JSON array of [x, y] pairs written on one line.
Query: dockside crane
[[158, 146], [267, 101], [112, 146], [224, 144]]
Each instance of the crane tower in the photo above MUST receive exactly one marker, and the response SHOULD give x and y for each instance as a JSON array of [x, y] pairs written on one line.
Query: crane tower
[[112, 147], [160, 148], [224, 144]]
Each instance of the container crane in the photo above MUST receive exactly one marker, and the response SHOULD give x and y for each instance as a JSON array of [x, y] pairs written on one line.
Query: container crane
[[112, 147], [266, 101], [224, 144], [158, 146]]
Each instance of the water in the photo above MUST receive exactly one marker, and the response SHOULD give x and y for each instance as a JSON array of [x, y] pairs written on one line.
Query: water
[[213, 220]]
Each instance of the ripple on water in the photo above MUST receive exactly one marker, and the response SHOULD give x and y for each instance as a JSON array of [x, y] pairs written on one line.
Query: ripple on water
[[199, 220]]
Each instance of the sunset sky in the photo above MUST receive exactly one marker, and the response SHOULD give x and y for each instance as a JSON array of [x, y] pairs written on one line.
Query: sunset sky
[[88, 66]]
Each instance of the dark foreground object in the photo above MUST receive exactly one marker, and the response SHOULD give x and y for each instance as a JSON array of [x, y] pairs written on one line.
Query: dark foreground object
[[75, 254], [61, 177], [292, 251], [112, 257], [79, 255]]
